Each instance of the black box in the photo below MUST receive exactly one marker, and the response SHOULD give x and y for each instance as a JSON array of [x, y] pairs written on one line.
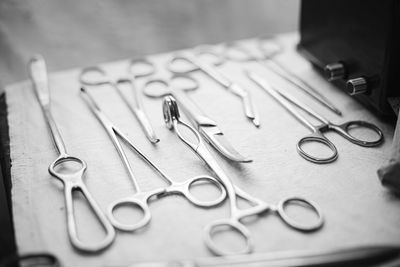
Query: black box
[[356, 44]]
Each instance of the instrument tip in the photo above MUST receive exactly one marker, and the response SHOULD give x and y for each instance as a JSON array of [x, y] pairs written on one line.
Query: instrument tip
[[246, 160], [256, 122], [154, 140], [338, 112]]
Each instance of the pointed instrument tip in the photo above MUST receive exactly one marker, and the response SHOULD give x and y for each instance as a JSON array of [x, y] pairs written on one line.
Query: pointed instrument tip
[[256, 122], [240, 158], [246, 160], [154, 140], [338, 112]]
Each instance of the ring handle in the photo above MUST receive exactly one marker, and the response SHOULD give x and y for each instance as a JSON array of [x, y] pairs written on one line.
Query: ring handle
[[64, 174], [190, 85], [147, 67], [204, 50], [344, 130], [94, 75], [69, 187], [295, 224], [151, 91], [211, 229], [203, 203], [175, 64], [317, 138], [134, 203]]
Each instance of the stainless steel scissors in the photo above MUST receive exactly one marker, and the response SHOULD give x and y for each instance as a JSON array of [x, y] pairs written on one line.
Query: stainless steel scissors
[[206, 126], [288, 102], [267, 50], [96, 76], [61, 168], [258, 206], [140, 199], [194, 63]]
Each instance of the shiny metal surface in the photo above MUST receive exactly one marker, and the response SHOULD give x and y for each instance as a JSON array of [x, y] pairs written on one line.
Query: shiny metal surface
[[289, 103], [196, 63], [268, 48], [206, 126], [95, 76], [140, 199], [71, 178], [257, 206]]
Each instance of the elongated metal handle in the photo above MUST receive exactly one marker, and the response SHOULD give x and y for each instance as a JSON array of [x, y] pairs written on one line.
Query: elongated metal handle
[[38, 74], [72, 227], [281, 99], [136, 107], [212, 72]]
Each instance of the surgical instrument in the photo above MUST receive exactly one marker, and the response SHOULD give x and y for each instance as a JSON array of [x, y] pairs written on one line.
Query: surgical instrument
[[345, 257], [267, 50], [65, 167], [317, 135], [258, 206], [96, 76], [197, 63], [206, 126], [139, 200]]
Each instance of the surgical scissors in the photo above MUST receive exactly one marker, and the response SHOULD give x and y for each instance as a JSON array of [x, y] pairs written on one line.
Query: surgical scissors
[[96, 76], [65, 167], [206, 126], [258, 206], [140, 198], [267, 50], [317, 135], [195, 63]]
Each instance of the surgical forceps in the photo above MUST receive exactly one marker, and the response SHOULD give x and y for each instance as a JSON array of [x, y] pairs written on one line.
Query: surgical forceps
[[61, 168], [268, 49], [96, 76], [317, 135], [140, 199], [206, 126], [258, 206], [196, 63]]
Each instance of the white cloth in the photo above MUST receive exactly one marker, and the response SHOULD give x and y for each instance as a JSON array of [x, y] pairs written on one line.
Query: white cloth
[[357, 209]]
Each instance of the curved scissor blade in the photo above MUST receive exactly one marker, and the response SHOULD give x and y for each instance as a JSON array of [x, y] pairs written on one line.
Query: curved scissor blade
[[215, 137]]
